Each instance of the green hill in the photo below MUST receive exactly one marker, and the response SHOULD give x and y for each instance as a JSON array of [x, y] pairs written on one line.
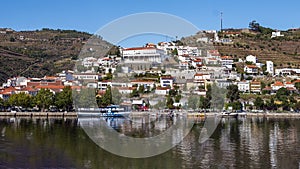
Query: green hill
[[38, 53]]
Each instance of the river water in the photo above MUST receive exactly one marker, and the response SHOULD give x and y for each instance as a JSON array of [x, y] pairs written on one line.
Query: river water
[[236, 143]]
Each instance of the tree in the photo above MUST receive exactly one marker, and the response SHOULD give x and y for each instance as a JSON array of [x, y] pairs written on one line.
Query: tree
[[236, 105], [20, 99], [233, 93], [259, 103], [253, 25], [204, 102], [134, 93], [1, 102], [193, 102], [282, 94], [160, 104], [270, 104], [64, 99], [141, 89], [44, 99], [175, 52], [85, 98], [116, 96], [170, 102], [107, 97], [177, 98], [297, 85]]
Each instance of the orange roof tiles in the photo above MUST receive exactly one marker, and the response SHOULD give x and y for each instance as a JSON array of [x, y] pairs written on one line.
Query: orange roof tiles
[[140, 48], [252, 66], [277, 83], [226, 57]]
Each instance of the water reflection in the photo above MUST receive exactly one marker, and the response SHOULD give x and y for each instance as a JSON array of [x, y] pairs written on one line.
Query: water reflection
[[236, 143]]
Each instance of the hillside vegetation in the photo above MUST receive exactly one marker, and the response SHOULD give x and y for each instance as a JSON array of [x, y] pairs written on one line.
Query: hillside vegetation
[[283, 51], [38, 53]]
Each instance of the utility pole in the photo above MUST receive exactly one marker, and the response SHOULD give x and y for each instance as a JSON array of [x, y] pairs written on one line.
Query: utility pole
[[221, 21]]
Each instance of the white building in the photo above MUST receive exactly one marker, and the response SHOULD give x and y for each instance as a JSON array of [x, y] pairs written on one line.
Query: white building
[[251, 58], [277, 85], [166, 81], [86, 76], [162, 90], [143, 54], [276, 34], [227, 62], [243, 86], [270, 67], [89, 61], [286, 71], [213, 54], [251, 69]]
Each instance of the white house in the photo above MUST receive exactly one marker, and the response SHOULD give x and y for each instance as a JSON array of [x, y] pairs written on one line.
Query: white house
[[143, 54], [227, 61], [270, 67], [251, 58], [166, 81], [251, 69], [162, 90], [86, 76], [89, 61], [277, 85], [146, 83], [286, 71], [243, 86], [196, 62], [276, 34], [213, 54], [126, 90]]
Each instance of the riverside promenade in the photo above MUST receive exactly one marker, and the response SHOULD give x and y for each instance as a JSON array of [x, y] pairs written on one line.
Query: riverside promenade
[[38, 114], [132, 114]]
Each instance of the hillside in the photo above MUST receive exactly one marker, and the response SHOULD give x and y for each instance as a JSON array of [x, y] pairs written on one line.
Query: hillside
[[38, 53], [283, 51]]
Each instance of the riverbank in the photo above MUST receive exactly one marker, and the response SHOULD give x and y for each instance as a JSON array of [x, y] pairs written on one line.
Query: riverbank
[[133, 114], [38, 114]]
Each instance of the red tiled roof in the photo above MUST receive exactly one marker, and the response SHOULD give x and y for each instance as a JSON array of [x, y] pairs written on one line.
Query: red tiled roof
[[200, 74], [140, 48], [162, 88], [226, 57], [126, 88], [277, 83], [142, 81], [54, 87], [166, 77], [296, 81], [252, 66]]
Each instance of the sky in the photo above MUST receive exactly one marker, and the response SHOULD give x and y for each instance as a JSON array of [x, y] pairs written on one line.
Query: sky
[[91, 15]]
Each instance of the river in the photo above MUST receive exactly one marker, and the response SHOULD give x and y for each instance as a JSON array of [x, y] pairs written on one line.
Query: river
[[236, 143]]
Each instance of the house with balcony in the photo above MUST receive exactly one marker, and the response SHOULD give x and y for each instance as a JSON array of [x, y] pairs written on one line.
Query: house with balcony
[[166, 81], [255, 86], [251, 69], [227, 62], [143, 55], [244, 86]]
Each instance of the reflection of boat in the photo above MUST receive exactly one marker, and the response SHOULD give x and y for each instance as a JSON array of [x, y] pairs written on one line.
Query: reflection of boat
[[233, 114], [109, 111]]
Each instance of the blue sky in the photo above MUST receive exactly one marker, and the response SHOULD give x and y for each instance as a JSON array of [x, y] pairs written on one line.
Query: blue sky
[[89, 16]]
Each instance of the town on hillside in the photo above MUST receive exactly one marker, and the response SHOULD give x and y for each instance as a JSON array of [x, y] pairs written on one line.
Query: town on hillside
[[167, 75]]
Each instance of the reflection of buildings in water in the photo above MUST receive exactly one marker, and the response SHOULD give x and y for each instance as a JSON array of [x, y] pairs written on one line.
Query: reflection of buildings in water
[[251, 139], [273, 141], [227, 146], [144, 125]]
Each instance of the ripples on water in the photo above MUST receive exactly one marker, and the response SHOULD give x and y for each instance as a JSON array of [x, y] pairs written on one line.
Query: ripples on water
[[236, 143]]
